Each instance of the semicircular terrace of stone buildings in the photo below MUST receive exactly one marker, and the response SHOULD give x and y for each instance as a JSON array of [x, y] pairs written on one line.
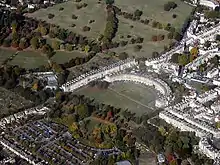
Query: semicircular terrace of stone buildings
[[93, 75], [159, 85]]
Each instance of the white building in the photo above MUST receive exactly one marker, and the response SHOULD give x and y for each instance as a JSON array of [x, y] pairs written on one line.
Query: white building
[[93, 75], [213, 73], [191, 115]]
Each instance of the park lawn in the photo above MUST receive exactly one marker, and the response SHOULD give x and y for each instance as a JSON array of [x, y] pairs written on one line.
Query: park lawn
[[5, 53], [62, 56], [93, 11], [134, 97], [29, 59], [154, 9]]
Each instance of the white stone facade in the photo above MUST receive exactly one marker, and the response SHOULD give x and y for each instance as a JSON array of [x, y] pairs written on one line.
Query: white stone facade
[[192, 115], [207, 148], [158, 84], [98, 74]]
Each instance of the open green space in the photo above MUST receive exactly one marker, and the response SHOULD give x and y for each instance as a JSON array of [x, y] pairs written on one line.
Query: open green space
[[62, 56], [134, 97], [29, 59], [153, 11], [93, 11], [5, 53]]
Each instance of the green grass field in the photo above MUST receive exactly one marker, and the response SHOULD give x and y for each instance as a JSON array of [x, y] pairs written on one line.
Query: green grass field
[[93, 11], [134, 97], [61, 56], [4, 54], [153, 10], [29, 59]]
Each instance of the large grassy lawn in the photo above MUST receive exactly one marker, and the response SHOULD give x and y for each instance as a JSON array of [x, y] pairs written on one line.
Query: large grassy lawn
[[29, 59], [134, 97], [93, 11], [153, 10], [5, 53], [61, 56]]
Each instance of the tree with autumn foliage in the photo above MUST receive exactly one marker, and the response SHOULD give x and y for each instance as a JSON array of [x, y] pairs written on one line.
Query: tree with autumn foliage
[[194, 52]]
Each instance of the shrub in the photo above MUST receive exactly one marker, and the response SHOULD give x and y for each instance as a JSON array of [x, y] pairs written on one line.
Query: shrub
[[78, 0], [155, 54], [91, 21], [138, 13], [109, 2], [73, 25], [154, 24], [139, 40], [74, 16], [50, 16], [61, 8], [170, 5], [160, 37], [123, 43], [78, 7], [170, 35], [137, 48], [132, 41], [174, 16], [154, 38], [86, 28], [146, 21], [84, 5], [123, 56], [128, 36]]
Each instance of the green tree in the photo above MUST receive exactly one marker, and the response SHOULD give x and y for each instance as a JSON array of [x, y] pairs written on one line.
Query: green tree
[[87, 48], [34, 43], [109, 2], [55, 45], [183, 59], [69, 47], [43, 30], [14, 27], [48, 50], [82, 110]]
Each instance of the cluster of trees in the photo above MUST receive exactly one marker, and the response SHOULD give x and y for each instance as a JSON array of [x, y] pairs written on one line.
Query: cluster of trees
[[159, 37], [111, 25], [81, 5], [10, 78], [21, 33], [170, 5], [77, 61], [73, 111], [173, 34], [137, 40], [168, 140], [184, 59], [132, 16]]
